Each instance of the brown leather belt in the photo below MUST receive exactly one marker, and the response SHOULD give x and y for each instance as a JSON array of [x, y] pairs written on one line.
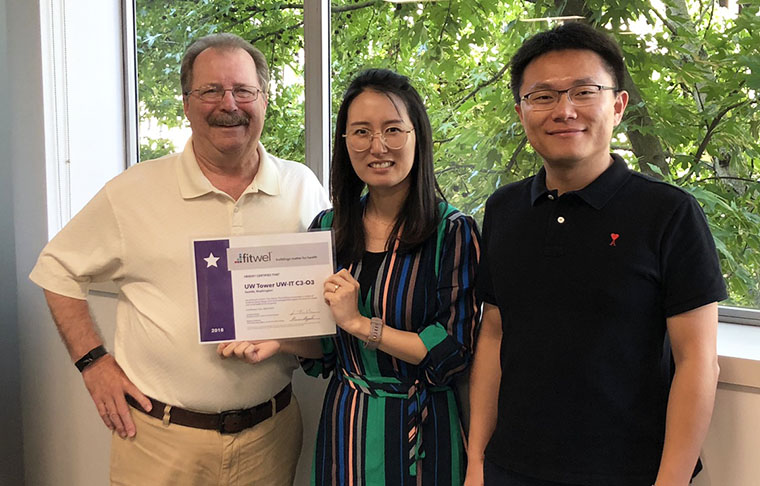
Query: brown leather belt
[[229, 422]]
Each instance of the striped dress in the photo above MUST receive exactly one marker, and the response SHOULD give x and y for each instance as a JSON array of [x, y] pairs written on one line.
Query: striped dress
[[385, 421]]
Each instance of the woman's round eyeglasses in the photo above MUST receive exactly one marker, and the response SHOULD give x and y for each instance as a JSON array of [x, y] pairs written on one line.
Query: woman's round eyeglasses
[[360, 139]]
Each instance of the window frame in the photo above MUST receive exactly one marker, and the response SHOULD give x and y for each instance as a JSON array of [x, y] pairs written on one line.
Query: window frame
[[131, 100], [317, 46], [739, 315]]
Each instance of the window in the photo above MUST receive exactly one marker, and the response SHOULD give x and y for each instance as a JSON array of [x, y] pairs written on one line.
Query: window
[[164, 29], [456, 54], [693, 118], [85, 115]]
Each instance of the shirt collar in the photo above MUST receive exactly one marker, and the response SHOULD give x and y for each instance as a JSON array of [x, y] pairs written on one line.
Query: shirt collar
[[192, 182], [596, 194]]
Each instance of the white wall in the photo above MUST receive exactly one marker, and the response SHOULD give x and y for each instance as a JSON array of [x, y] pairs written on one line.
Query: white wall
[[42, 391], [731, 453], [11, 457]]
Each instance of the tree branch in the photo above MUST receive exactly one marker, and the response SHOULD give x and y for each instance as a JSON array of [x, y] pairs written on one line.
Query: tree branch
[[712, 127], [347, 8], [513, 159], [743, 179], [646, 146], [673, 30], [339, 9], [467, 169], [445, 23], [709, 21], [277, 32], [477, 89]]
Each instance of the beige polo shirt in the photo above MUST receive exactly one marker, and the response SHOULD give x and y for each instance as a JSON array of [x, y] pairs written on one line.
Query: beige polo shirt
[[137, 232]]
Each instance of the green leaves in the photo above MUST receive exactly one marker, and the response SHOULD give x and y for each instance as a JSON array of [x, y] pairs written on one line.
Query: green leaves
[[702, 103]]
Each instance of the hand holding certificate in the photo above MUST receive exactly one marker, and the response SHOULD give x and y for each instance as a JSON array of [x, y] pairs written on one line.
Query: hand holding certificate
[[263, 287]]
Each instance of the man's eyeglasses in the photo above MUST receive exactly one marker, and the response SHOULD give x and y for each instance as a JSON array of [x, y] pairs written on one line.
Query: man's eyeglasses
[[360, 139], [215, 94], [583, 95]]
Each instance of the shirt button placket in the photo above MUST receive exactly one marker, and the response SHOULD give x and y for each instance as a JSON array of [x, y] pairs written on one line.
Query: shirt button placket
[[557, 230], [237, 221]]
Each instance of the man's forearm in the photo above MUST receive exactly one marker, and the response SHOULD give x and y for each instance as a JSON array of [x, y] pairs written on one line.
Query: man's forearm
[[484, 395], [484, 384], [74, 322], [690, 406]]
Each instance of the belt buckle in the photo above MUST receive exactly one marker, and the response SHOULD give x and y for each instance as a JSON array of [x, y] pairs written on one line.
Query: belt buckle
[[232, 421]]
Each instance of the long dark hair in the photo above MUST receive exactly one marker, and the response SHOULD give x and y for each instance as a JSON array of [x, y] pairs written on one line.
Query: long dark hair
[[419, 214]]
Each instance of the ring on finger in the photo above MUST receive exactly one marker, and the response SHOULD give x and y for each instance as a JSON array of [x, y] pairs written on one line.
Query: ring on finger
[[336, 288]]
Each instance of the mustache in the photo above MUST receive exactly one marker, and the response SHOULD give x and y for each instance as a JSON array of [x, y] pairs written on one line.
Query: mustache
[[229, 119]]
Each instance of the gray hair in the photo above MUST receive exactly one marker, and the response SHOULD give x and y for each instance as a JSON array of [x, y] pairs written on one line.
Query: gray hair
[[222, 41]]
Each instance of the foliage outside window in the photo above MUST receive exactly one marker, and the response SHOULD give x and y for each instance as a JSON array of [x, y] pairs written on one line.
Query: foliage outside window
[[692, 120]]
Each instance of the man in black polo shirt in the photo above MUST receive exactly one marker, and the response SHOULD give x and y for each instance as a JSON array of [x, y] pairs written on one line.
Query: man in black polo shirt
[[594, 277]]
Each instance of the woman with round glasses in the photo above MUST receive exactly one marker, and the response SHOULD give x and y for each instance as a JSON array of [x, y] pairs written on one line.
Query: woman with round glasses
[[402, 299]]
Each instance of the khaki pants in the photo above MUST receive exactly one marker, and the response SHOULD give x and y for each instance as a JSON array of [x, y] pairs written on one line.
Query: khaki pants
[[174, 455]]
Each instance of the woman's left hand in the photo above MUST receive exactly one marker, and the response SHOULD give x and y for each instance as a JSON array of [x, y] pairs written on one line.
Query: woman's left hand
[[341, 293]]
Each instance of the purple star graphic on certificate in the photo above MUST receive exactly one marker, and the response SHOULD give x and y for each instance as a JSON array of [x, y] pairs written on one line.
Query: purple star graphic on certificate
[[215, 304]]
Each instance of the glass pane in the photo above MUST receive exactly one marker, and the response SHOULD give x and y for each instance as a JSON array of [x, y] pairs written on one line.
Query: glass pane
[[691, 121], [165, 29]]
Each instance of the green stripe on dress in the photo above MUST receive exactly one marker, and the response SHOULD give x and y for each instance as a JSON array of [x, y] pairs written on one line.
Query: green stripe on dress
[[374, 464], [457, 449]]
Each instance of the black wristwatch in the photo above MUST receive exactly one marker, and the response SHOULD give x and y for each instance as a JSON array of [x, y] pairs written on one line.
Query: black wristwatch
[[90, 357]]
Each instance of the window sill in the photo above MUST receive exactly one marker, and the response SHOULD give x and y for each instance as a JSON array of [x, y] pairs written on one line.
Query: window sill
[[739, 354]]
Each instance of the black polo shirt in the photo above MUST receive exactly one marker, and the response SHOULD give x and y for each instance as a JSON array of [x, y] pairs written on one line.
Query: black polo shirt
[[584, 282]]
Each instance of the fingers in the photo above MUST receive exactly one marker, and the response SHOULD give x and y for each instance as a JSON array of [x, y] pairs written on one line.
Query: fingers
[[243, 348], [345, 279], [225, 350], [236, 348], [107, 384], [249, 355], [113, 417], [103, 412], [338, 283], [262, 350], [138, 395], [124, 415], [330, 288], [249, 351], [346, 276]]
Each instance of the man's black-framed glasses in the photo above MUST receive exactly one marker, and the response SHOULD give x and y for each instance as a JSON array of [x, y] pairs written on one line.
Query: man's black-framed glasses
[[215, 94], [582, 95], [394, 137]]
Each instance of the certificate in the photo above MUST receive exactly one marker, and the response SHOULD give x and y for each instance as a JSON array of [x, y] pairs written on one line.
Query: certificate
[[263, 287]]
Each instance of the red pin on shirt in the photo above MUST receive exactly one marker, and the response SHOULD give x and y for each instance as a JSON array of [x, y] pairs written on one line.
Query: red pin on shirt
[[614, 237]]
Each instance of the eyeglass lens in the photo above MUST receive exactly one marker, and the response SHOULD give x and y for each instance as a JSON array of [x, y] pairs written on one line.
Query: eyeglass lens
[[393, 137], [577, 95], [241, 94]]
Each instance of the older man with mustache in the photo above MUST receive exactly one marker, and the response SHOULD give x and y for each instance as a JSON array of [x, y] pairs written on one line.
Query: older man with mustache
[[197, 420]]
